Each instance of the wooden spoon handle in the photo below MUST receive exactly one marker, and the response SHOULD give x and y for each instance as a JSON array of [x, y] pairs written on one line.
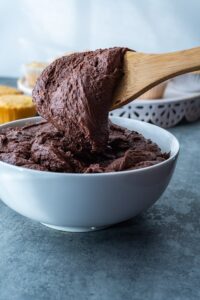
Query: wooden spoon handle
[[144, 71]]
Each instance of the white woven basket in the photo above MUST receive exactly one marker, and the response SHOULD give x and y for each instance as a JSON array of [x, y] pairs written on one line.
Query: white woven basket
[[176, 105], [165, 113]]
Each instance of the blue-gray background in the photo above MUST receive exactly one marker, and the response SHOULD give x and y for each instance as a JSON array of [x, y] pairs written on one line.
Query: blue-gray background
[[42, 29]]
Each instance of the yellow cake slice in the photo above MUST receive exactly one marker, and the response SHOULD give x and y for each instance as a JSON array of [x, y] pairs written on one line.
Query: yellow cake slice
[[13, 107], [7, 90]]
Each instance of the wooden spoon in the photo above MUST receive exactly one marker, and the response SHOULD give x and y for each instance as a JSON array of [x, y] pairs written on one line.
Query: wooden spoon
[[143, 71]]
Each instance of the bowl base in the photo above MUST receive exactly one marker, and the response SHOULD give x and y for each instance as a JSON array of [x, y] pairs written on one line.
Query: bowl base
[[75, 229]]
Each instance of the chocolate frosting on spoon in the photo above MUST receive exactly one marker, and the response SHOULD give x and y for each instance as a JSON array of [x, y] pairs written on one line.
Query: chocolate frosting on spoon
[[75, 93]]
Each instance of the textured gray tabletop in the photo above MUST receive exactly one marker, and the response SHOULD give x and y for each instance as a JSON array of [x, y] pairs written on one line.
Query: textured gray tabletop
[[154, 256]]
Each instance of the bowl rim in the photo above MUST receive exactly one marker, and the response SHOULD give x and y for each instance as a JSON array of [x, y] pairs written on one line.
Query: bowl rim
[[117, 173]]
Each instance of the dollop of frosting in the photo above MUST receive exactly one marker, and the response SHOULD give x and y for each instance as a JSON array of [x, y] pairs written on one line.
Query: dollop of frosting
[[75, 94]]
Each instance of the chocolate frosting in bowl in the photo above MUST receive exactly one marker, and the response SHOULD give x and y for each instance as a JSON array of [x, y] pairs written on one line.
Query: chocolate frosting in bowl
[[42, 147], [74, 95]]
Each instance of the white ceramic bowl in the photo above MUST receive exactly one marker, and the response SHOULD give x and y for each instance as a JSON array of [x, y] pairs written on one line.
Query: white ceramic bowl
[[84, 202]]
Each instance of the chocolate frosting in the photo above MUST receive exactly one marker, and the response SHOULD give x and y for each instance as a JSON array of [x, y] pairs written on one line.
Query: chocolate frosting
[[75, 93], [42, 147]]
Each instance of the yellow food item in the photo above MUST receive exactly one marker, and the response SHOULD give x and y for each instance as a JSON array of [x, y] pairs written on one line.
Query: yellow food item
[[7, 90], [13, 107], [32, 71], [37, 65], [154, 93]]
